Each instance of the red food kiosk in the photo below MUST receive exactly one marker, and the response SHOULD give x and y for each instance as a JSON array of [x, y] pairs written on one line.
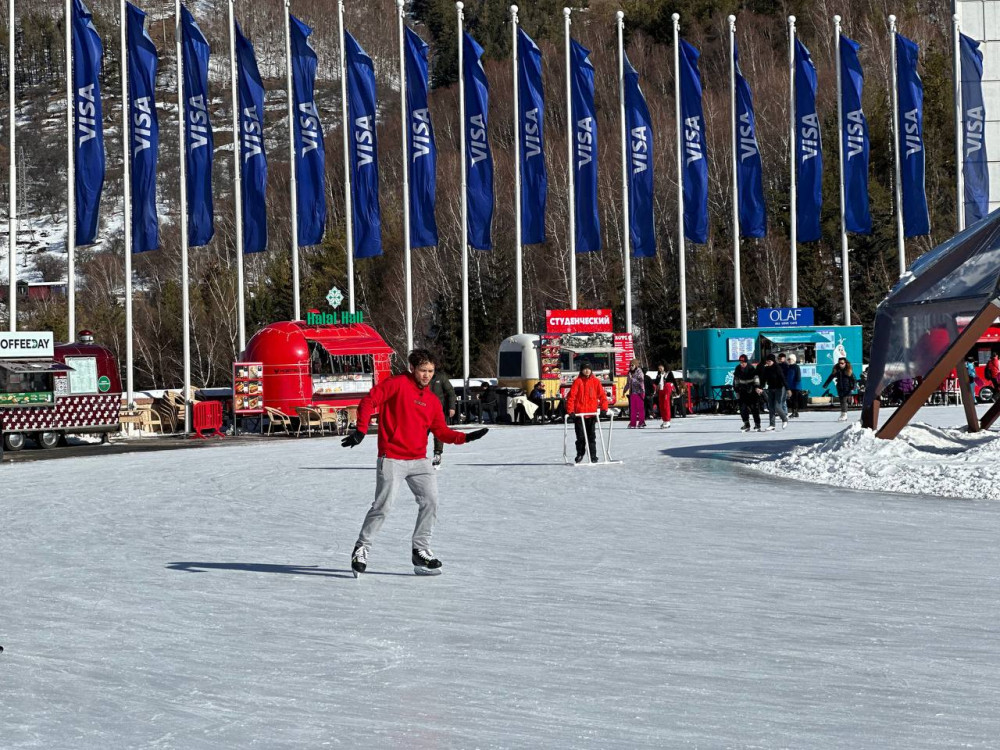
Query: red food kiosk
[[48, 391], [307, 365]]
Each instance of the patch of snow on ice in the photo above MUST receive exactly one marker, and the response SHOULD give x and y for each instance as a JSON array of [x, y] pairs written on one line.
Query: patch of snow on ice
[[923, 460]]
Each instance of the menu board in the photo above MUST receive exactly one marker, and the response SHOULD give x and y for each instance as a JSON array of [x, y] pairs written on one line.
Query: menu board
[[356, 382], [624, 352], [550, 346], [83, 376], [248, 387]]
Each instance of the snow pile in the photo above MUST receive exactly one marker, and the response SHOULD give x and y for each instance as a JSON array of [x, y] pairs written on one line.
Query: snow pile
[[923, 460]]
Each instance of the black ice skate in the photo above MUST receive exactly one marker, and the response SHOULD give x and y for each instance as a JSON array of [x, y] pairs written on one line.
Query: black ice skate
[[425, 564], [579, 457], [359, 559]]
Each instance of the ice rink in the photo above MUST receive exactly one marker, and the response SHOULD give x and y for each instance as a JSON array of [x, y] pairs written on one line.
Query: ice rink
[[202, 599]]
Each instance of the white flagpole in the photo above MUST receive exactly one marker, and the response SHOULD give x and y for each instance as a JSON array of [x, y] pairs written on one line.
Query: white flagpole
[[736, 188], [518, 259], [569, 165], [626, 244], [293, 177], [682, 270], [900, 239], [840, 152], [127, 182], [793, 162], [12, 194], [182, 158], [348, 206], [465, 205], [404, 115], [237, 180], [70, 180], [959, 124]]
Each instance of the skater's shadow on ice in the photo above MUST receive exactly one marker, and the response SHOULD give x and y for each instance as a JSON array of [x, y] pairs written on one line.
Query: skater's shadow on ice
[[747, 451], [297, 570]]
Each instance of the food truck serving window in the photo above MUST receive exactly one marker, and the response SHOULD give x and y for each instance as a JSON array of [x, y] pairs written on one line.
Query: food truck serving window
[[27, 382], [340, 373]]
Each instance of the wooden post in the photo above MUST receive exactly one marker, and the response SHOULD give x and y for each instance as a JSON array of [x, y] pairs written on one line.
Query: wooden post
[[968, 396], [951, 357], [990, 416], [869, 415]]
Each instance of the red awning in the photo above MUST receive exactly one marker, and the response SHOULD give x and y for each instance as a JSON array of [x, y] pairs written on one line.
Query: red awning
[[358, 338]]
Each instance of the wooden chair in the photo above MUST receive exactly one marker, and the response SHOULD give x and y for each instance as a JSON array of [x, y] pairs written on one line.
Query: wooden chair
[[330, 416], [309, 417], [149, 418], [277, 418]]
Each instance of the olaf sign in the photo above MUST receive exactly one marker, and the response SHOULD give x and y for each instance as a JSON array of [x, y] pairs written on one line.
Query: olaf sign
[[784, 317]]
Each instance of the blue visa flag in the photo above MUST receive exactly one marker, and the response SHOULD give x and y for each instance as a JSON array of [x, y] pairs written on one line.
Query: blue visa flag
[[588, 223], [854, 133], [808, 149], [253, 160], [534, 177], [639, 129], [479, 160], [144, 130], [749, 170], [88, 122], [975, 168], [198, 132], [365, 209], [310, 153], [911, 139], [695, 170], [422, 149]]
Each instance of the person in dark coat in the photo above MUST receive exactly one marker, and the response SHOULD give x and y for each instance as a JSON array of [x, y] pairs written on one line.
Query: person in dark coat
[[843, 375], [793, 378], [537, 397], [488, 403], [782, 361], [747, 388], [772, 381], [442, 388]]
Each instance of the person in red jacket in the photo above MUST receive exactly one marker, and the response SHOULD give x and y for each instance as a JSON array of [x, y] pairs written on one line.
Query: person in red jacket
[[586, 396], [407, 410]]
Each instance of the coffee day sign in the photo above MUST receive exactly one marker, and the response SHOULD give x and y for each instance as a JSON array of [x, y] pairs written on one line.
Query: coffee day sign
[[578, 321], [784, 317], [27, 344]]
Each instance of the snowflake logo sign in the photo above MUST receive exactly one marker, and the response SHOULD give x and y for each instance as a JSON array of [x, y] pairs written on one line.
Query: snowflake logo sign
[[334, 297]]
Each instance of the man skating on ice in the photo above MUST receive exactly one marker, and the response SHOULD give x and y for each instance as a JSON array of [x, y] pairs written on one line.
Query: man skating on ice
[[586, 395], [407, 411]]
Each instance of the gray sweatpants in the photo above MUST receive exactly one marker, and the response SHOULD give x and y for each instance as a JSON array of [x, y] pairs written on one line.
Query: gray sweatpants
[[390, 475]]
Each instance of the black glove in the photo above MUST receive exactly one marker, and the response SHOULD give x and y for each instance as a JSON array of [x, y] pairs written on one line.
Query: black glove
[[353, 439], [476, 434]]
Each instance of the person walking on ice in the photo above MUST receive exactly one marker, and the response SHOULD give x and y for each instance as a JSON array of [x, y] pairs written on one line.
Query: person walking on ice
[[586, 396], [407, 411]]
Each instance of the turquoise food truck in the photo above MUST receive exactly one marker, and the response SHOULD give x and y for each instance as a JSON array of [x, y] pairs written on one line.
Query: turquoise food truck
[[713, 353]]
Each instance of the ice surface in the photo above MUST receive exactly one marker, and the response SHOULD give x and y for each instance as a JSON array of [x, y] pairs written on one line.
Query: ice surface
[[202, 599]]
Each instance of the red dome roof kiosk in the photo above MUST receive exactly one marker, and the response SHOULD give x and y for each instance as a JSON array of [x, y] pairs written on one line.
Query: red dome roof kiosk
[[310, 365]]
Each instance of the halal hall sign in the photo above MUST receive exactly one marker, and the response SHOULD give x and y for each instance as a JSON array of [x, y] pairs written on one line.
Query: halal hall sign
[[338, 317]]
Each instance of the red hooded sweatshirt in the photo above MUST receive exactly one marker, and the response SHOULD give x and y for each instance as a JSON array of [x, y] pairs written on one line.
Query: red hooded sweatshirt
[[586, 395], [406, 413]]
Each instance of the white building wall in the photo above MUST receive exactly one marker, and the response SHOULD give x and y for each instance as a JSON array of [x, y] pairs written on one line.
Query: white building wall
[[980, 19]]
